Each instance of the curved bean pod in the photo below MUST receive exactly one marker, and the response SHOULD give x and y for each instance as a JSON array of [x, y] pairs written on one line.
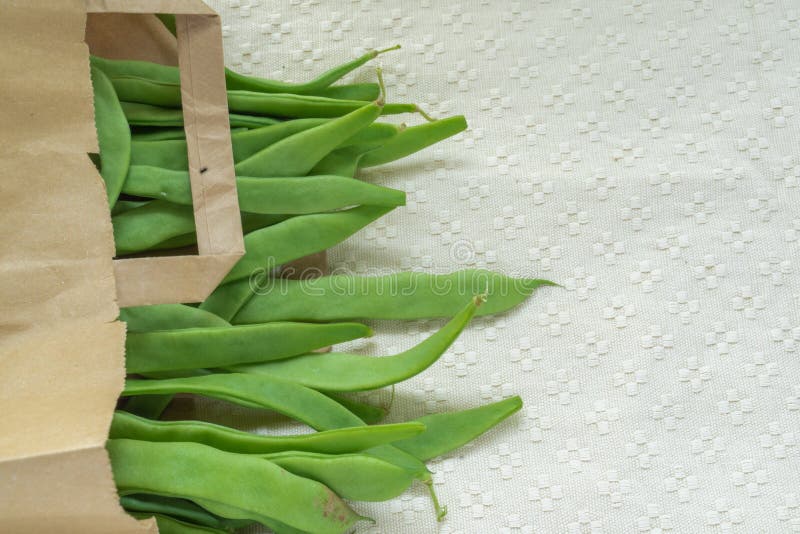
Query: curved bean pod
[[297, 154], [234, 80], [173, 154], [113, 135], [413, 139], [251, 83], [358, 477], [301, 106], [299, 195], [209, 347], [300, 236], [352, 372], [255, 391], [396, 296], [447, 431], [337, 441], [167, 317], [244, 483]]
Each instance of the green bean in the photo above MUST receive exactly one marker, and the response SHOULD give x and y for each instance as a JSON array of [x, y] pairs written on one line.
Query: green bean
[[250, 222], [146, 115], [132, 88], [255, 391], [166, 74], [300, 236], [246, 144], [166, 134], [337, 441], [368, 413], [300, 195], [113, 135], [172, 153], [448, 431], [115, 68], [352, 372], [244, 483], [413, 139], [209, 347], [142, 228], [302, 106], [179, 509], [227, 299], [357, 477], [396, 296], [297, 154], [170, 525], [366, 92], [250, 83], [167, 317], [159, 223]]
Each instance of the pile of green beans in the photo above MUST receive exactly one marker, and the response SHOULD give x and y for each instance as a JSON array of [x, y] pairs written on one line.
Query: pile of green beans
[[256, 340]]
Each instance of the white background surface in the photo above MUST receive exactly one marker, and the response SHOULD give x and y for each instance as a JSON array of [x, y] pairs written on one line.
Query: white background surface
[[646, 155]]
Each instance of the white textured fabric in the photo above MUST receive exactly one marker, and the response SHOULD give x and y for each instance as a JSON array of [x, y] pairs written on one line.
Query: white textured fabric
[[646, 155]]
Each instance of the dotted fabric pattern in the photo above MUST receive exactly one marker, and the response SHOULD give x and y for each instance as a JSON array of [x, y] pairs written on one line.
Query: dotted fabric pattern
[[646, 155]]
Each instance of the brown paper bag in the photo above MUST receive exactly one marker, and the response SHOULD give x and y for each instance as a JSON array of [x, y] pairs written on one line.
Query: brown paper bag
[[61, 347]]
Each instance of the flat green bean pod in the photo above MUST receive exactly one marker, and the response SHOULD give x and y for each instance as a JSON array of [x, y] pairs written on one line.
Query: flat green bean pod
[[143, 134], [149, 226], [251, 83], [170, 525], [146, 115], [357, 477], [356, 91], [255, 391], [352, 372], [172, 154], [113, 135], [209, 347], [130, 67], [288, 106], [409, 295], [234, 481], [167, 74], [413, 139], [295, 195], [167, 317], [178, 509], [447, 431], [144, 227], [300, 236], [297, 154], [337, 441]]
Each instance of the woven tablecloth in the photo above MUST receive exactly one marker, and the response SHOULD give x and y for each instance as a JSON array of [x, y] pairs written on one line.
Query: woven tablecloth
[[646, 155]]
